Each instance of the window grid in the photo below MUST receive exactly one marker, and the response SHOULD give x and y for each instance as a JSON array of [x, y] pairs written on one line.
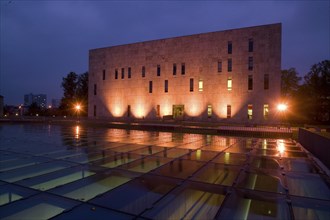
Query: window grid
[[166, 86], [129, 72], [183, 69], [250, 82], [191, 85], [230, 63]]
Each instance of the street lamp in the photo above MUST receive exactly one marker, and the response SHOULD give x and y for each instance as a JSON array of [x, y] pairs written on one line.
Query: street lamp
[[282, 108], [78, 108]]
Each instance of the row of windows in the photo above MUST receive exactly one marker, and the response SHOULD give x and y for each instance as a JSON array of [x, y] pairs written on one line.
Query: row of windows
[[183, 69], [210, 111], [201, 85], [230, 46], [229, 84]]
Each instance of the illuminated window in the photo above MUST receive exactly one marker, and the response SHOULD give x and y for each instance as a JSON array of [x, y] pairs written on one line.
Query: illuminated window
[[266, 111], [230, 47], [174, 69], [200, 85], [150, 86], [250, 111], [158, 70], [103, 74], [129, 72], [191, 84], [143, 71], [250, 82], [229, 84], [250, 45], [250, 63], [183, 68], [122, 73], [209, 111], [95, 89], [116, 74], [230, 63], [228, 111], [219, 66], [166, 85], [266, 81]]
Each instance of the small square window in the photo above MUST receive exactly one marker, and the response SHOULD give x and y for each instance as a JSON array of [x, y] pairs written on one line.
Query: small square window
[[122, 73], [209, 111], [228, 111], [250, 108], [103, 75]]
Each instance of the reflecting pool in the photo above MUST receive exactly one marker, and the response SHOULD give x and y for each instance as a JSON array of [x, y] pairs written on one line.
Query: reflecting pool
[[80, 172]]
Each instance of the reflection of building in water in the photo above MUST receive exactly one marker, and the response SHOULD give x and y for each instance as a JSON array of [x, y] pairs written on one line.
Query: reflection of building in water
[[231, 76]]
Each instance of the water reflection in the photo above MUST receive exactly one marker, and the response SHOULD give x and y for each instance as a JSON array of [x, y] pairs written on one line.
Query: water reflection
[[280, 147]]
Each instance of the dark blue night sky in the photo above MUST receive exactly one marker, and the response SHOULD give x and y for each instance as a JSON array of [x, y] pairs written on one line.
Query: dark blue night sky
[[42, 41]]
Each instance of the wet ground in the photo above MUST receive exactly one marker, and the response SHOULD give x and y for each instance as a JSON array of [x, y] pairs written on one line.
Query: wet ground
[[75, 172]]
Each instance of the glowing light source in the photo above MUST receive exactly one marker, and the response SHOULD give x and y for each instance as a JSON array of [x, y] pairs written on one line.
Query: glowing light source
[[78, 107], [282, 107], [77, 132]]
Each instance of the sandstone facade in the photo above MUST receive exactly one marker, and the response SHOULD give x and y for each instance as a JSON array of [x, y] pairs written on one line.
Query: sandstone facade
[[190, 77]]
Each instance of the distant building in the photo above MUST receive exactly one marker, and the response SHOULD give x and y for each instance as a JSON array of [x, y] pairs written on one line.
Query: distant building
[[227, 76], [56, 103], [39, 99]]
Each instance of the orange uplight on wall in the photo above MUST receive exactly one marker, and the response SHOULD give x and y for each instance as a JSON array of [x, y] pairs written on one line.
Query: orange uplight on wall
[[282, 107], [117, 111]]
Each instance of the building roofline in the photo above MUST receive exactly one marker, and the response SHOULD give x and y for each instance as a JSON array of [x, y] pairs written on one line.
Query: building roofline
[[189, 35]]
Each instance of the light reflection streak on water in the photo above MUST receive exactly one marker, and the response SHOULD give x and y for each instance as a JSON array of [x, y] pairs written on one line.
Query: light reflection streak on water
[[280, 147], [77, 133]]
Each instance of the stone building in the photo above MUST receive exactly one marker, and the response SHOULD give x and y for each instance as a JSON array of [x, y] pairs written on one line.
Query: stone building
[[229, 76]]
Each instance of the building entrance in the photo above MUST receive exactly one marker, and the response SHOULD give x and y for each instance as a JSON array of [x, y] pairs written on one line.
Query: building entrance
[[178, 111]]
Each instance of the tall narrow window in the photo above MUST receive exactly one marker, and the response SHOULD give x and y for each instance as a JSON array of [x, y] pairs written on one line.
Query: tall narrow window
[[116, 74], [250, 63], [229, 84], [174, 69], [103, 74], [95, 89], [122, 73], [128, 111], [158, 110], [250, 82], [166, 85], [230, 47], [266, 110], [191, 84], [209, 111], [250, 108], [183, 68], [150, 86], [158, 70], [129, 72], [266, 81], [200, 85], [94, 113], [228, 111], [250, 45], [230, 63], [219, 66], [143, 71]]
